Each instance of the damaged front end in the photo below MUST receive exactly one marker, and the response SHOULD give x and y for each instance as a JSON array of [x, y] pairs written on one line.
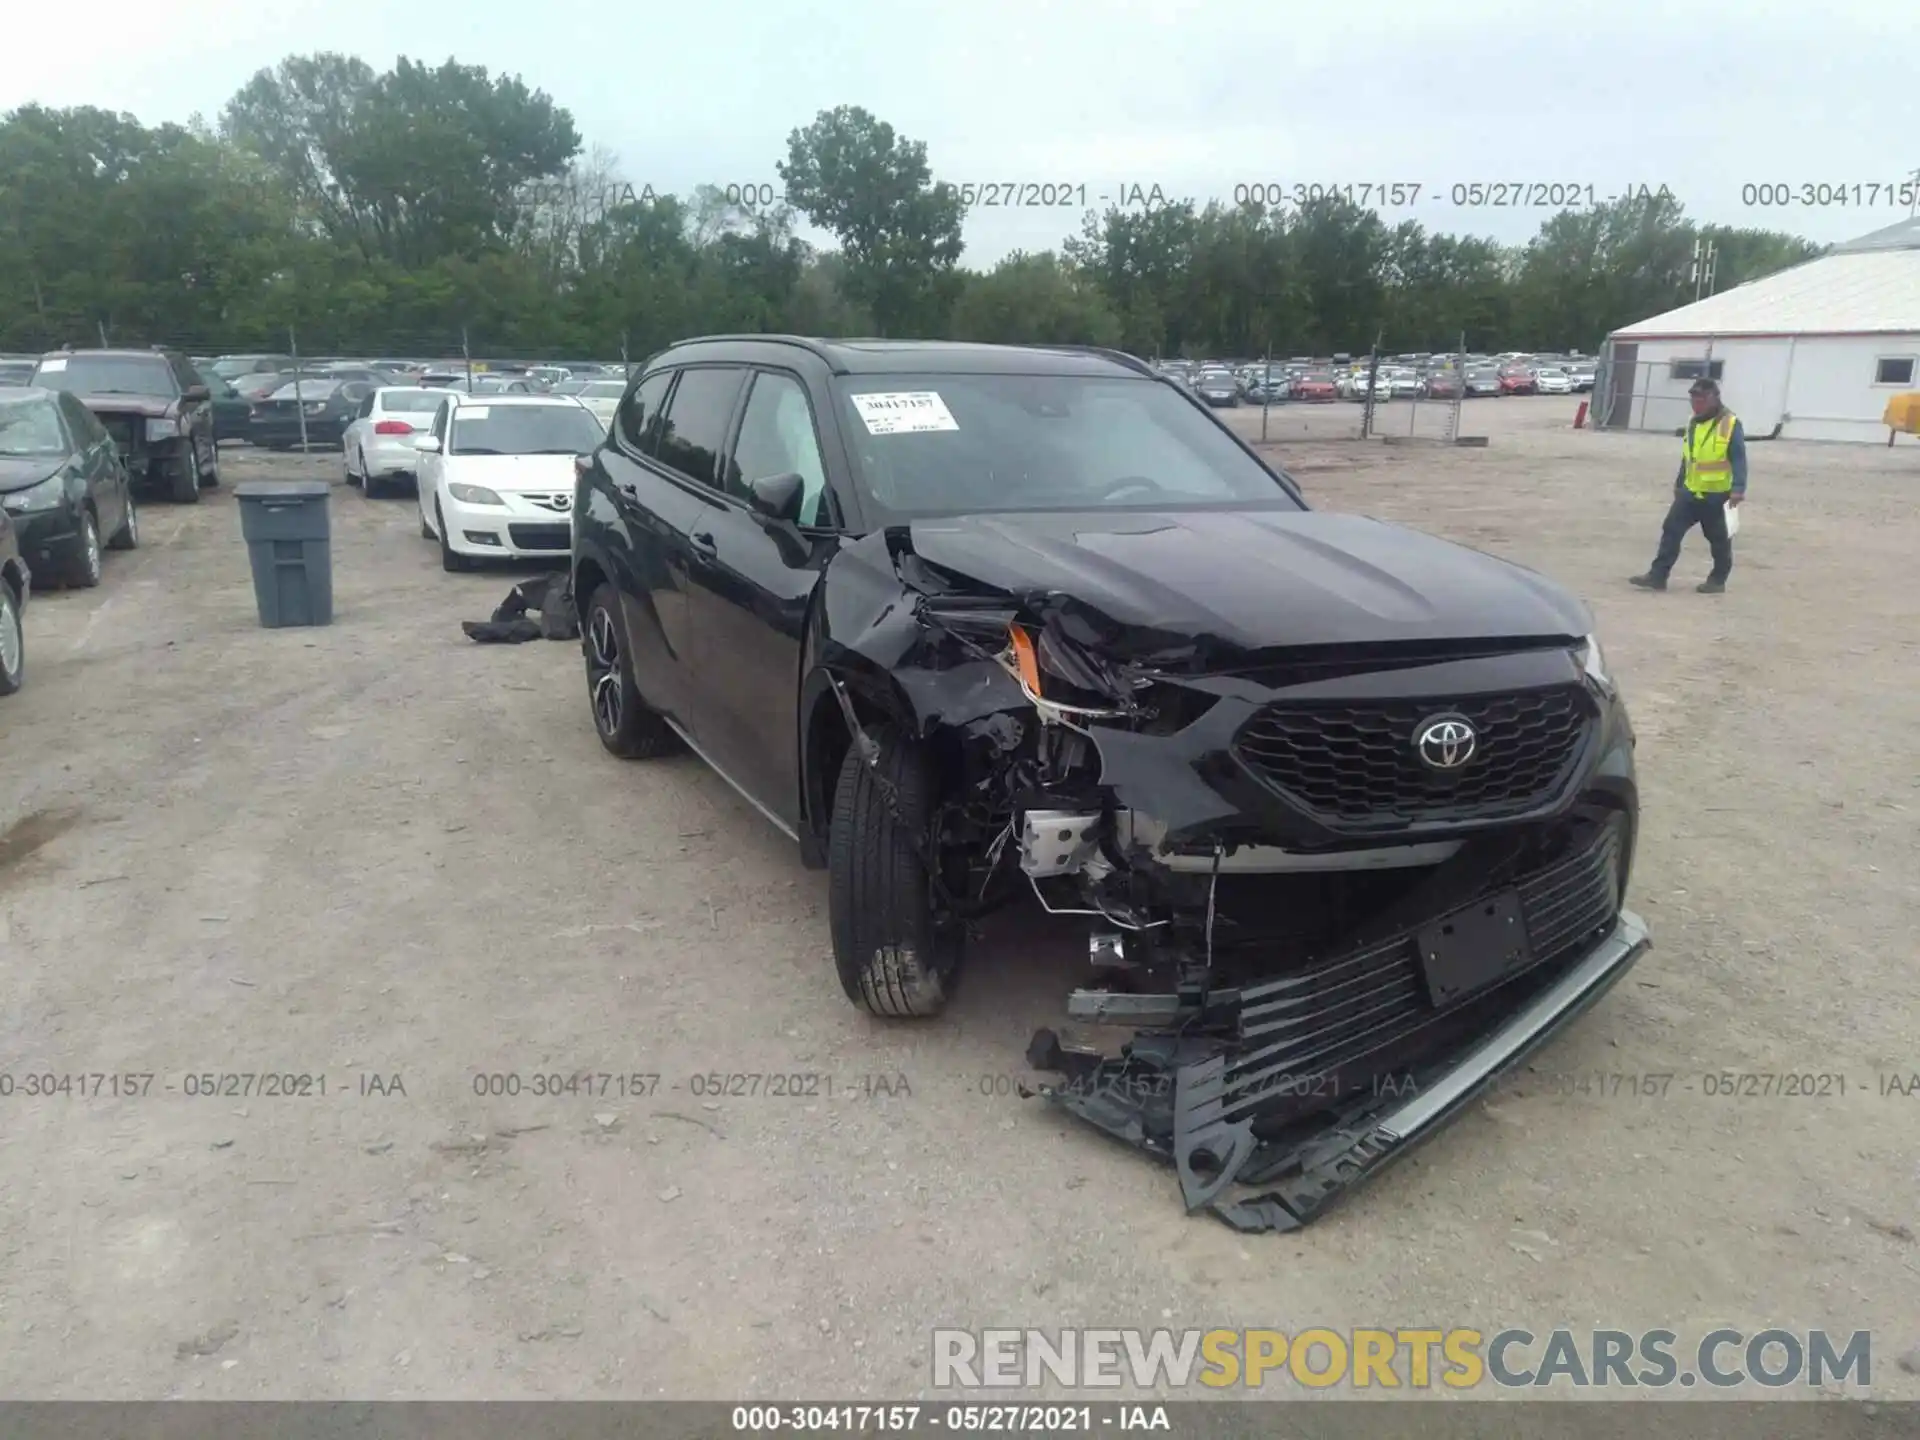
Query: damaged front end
[[1334, 890]]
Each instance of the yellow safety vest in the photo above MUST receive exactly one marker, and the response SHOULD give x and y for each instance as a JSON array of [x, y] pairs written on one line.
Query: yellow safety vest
[[1708, 470]]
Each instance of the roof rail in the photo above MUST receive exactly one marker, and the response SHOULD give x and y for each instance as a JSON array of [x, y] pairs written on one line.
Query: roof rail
[[1119, 357], [805, 342]]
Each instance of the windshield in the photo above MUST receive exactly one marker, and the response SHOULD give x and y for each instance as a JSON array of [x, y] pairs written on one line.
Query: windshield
[[605, 390], [107, 375], [29, 427], [409, 402], [959, 444], [524, 430]]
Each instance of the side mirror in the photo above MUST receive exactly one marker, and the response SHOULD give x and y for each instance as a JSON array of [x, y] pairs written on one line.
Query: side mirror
[[777, 497], [196, 392], [427, 445]]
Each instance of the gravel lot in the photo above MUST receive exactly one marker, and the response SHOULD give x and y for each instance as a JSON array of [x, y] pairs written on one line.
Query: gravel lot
[[380, 850]]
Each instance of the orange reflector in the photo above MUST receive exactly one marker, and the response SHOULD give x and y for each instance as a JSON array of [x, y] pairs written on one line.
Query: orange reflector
[[1024, 657]]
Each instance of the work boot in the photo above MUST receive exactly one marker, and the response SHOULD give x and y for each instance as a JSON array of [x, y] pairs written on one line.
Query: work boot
[[1649, 582], [1711, 586]]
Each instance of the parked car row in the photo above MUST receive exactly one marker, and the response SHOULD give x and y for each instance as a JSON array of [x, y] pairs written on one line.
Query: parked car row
[[66, 497], [1401, 377]]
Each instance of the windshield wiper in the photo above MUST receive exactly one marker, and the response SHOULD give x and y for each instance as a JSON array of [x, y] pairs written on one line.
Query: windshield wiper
[[476, 450]]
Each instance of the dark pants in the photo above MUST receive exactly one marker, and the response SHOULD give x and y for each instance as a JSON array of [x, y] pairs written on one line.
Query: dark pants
[[1709, 512]]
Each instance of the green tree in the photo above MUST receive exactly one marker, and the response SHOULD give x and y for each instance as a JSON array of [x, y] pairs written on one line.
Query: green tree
[[410, 165], [899, 231], [1034, 300]]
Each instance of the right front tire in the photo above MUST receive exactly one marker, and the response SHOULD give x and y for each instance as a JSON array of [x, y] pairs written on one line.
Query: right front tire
[[895, 956], [451, 560], [186, 477], [623, 721]]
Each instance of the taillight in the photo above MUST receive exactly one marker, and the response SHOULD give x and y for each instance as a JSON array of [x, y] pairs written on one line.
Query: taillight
[[393, 427]]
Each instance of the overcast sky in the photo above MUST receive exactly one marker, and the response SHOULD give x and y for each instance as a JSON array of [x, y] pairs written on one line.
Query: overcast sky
[[1106, 94]]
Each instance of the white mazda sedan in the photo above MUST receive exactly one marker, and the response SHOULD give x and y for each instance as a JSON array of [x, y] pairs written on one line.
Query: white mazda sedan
[[496, 476]]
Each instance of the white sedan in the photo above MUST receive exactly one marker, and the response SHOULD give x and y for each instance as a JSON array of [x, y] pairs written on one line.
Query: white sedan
[[497, 476], [1550, 380], [378, 446]]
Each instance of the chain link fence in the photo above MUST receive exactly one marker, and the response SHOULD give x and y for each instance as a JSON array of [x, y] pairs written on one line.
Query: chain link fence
[[1373, 396]]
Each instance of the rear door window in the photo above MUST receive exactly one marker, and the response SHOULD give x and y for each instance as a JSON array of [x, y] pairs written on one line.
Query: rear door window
[[693, 433]]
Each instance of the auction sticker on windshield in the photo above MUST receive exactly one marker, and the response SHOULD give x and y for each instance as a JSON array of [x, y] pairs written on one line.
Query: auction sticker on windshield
[[907, 412], [474, 412], [50, 366]]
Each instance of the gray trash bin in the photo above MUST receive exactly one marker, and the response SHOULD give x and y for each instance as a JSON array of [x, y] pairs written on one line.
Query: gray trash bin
[[285, 526]]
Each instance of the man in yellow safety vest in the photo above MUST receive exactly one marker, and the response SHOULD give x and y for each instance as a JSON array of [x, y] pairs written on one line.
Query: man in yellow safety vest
[[1712, 481]]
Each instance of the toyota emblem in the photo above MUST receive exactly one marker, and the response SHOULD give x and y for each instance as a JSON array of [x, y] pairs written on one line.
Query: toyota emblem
[[1445, 742]]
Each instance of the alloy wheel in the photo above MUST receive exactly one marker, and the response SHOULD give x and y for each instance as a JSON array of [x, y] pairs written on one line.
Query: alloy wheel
[[603, 683], [10, 642]]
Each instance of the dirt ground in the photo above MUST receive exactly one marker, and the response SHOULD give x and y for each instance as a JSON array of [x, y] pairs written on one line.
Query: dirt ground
[[378, 850]]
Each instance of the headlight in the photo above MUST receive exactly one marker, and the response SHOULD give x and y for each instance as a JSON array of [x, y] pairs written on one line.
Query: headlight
[[163, 429], [44, 496], [474, 495], [1594, 663]]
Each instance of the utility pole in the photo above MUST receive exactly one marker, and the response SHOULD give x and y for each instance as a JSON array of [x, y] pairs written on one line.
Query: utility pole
[[299, 403], [103, 334], [466, 355], [1705, 253], [1266, 393], [1373, 379]]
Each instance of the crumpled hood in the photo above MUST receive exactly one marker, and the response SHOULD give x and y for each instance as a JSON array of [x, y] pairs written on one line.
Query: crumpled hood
[[21, 472], [1256, 578], [153, 407]]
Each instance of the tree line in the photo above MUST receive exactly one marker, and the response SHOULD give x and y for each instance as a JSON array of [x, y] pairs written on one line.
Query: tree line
[[398, 211]]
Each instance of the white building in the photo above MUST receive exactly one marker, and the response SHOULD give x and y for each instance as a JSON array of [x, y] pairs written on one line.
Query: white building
[[1815, 350]]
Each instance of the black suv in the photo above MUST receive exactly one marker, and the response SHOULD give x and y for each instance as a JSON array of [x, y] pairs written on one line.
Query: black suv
[[155, 405], [1348, 810]]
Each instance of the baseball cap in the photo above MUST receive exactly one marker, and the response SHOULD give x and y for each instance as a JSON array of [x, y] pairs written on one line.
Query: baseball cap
[[1704, 386]]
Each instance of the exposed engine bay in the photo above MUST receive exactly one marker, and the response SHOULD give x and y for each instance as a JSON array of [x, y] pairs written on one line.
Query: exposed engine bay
[[1319, 880]]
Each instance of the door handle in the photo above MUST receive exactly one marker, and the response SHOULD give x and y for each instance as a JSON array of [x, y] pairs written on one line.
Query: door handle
[[702, 543]]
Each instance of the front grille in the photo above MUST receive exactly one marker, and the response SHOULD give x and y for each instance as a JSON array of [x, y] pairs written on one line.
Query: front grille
[[1340, 1010], [541, 537], [1354, 764]]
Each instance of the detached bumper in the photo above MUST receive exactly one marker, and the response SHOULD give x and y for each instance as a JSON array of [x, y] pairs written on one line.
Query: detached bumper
[[1174, 1097]]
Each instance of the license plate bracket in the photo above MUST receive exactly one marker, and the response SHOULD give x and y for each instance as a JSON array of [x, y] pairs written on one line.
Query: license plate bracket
[[1471, 948]]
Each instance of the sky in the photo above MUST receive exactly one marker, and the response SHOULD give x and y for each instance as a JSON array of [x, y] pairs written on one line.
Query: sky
[[1119, 99]]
